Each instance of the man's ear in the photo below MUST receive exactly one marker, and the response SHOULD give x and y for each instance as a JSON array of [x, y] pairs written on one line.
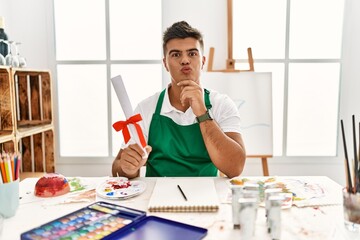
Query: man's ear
[[203, 62], [165, 65]]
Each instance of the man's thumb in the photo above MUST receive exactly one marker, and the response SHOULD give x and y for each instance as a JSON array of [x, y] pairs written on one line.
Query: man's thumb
[[148, 149]]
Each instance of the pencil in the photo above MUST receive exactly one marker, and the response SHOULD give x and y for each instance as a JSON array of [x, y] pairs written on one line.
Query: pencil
[[182, 193], [12, 168], [2, 168], [17, 166], [1, 178], [7, 170]]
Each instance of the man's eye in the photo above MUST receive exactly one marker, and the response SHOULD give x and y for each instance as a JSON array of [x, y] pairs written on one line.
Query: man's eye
[[192, 54], [175, 55]]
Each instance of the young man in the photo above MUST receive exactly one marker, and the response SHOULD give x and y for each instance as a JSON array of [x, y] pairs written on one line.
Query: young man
[[190, 131]]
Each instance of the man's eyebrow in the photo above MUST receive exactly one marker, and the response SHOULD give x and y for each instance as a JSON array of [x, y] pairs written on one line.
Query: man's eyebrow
[[174, 51], [188, 50], [192, 49]]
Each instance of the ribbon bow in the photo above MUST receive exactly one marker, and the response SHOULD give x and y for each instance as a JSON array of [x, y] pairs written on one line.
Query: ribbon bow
[[123, 125]]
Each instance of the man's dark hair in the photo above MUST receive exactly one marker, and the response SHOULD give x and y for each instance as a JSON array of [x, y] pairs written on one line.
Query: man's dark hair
[[182, 30]]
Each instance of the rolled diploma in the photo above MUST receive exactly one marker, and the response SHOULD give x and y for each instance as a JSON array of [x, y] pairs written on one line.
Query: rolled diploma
[[125, 103]]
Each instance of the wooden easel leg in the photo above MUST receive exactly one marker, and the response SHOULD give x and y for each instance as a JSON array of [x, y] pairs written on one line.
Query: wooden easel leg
[[265, 166], [211, 59], [251, 60]]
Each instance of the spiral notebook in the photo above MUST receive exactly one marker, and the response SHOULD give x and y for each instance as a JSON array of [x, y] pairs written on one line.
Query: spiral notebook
[[200, 193]]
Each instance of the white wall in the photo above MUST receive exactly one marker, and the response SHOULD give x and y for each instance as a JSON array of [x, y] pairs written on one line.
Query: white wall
[[34, 29], [208, 16], [350, 84], [31, 23]]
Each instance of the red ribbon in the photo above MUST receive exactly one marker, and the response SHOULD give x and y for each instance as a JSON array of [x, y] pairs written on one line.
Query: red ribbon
[[123, 125]]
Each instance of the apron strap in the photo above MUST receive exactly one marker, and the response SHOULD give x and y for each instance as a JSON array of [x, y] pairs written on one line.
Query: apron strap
[[207, 99], [159, 102]]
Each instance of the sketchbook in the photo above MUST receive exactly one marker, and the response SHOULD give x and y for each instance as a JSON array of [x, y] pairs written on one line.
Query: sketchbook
[[200, 193]]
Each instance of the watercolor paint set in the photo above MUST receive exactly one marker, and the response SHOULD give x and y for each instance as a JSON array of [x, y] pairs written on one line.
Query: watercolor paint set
[[103, 220]]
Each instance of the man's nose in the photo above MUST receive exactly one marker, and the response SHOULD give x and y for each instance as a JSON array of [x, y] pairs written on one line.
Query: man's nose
[[185, 60]]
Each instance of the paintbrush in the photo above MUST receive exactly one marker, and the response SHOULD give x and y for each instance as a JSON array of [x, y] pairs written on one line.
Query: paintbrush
[[356, 174], [349, 187], [358, 170]]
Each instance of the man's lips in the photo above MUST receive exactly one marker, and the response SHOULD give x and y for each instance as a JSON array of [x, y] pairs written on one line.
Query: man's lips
[[186, 70]]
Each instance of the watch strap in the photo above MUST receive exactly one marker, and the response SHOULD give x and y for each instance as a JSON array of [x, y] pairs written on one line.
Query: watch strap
[[204, 117]]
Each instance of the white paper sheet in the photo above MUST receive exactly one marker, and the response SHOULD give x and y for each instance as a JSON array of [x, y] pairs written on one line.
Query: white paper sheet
[[125, 103]]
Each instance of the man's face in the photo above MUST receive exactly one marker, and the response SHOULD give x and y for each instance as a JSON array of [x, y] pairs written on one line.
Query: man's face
[[183, 59]]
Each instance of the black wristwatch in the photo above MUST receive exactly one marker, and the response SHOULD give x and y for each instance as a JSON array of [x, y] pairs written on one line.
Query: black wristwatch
[[204, 117]]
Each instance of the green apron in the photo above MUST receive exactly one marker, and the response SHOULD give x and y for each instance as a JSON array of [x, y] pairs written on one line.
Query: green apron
[[177, 151]]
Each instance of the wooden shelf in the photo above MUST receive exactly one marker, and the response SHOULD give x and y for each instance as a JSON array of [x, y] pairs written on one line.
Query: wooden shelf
[[7, 142], [6, 136], [27, 117], [6, 101], [28, 131], [28, 123]]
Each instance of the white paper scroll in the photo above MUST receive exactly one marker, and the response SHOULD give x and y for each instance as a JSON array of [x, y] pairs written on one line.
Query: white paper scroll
[[125, 103]]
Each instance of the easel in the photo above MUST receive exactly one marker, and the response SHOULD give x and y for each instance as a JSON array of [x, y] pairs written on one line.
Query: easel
[[230, 67], [230, 62]]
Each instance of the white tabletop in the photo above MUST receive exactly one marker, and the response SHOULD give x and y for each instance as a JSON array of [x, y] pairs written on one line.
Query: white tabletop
[[324, 222]]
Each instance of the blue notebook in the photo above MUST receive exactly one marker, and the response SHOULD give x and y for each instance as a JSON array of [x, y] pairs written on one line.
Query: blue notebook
[[102, 220]]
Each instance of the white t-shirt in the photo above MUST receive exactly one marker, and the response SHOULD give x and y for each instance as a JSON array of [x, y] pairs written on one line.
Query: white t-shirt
[[223, 109]]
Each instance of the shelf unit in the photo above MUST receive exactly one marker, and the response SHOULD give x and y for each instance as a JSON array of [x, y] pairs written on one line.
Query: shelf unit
[[27, 117]]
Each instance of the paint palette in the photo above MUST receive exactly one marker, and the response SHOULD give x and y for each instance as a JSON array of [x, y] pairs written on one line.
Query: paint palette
[[120, 188], [96, 221]]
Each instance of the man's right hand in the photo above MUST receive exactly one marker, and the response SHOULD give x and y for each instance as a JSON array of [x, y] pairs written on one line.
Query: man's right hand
[[130, 160]]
